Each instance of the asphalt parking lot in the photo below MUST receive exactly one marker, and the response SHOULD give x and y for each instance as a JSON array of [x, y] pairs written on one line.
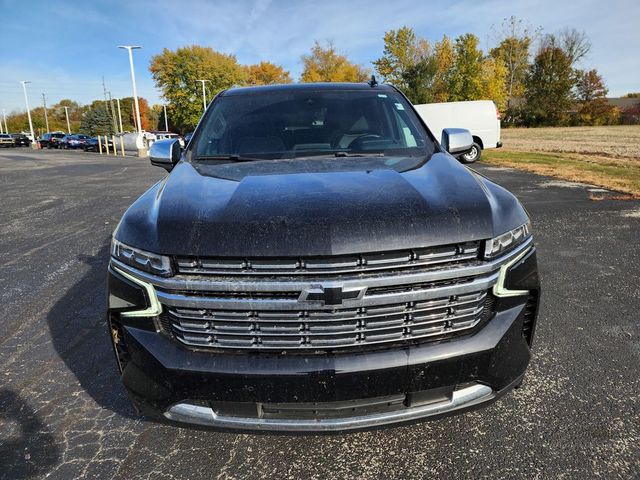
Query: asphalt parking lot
[[63, 413]]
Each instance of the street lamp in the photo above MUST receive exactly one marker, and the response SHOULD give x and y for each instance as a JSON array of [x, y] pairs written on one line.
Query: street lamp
[[66, 113], [166, 122], [204, 95], [4, 114], [130, 49], [26, 101]]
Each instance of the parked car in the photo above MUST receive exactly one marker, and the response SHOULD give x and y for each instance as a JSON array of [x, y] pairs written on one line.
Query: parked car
[[50, 139], [480, 117], [6, 140], [73, 141], [20, 140], [91, 145], [317, 260]]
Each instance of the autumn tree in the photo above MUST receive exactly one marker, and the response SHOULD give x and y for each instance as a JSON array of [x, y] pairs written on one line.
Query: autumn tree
[[266, 73], [465, 82], [591, 93], [176, 74], [514, 42], [325, 64], [548, 87], [405, 54], [444, 56]]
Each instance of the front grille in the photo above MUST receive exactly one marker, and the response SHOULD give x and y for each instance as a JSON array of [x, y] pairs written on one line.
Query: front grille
[[366, 262], [314, 329]]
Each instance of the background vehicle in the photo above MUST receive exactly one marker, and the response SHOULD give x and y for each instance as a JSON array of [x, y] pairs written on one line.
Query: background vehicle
[[73, 141], [91, 144], [480, 117], [21, 140], [50, 139], [6, 140]]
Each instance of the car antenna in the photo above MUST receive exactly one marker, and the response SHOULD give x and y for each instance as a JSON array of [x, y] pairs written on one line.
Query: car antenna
[[373, 82]]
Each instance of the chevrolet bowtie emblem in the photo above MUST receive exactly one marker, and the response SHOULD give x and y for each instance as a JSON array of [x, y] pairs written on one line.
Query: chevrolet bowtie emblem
[[332, 294]]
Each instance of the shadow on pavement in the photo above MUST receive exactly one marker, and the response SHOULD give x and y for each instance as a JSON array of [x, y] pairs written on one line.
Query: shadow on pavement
[[77, 323], [27, 446]]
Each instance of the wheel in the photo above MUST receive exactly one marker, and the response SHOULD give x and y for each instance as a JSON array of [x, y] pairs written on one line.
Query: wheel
[[473, 155]]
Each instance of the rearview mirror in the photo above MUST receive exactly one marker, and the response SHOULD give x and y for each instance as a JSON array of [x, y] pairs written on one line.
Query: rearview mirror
[[165, 153], [456, 140]]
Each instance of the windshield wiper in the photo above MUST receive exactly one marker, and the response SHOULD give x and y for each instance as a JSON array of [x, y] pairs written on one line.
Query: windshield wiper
[[233, 157], [361, 154]]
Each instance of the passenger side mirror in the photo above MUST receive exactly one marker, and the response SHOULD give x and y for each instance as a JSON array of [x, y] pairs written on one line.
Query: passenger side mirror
[[456, 140], [165, 153]]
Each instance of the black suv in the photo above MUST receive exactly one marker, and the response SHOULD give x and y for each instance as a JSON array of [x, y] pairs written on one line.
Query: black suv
[[317, 261], [51, 139]]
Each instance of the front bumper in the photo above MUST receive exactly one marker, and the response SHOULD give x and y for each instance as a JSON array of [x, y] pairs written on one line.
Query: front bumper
[[330, 391]]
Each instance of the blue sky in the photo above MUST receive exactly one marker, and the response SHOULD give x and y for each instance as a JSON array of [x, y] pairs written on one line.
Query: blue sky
[[66, 47]]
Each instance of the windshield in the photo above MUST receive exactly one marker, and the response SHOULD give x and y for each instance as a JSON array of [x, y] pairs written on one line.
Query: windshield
[[302, 123]]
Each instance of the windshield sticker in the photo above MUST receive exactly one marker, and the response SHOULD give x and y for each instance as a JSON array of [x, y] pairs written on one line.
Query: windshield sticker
[[399, 106], [382, 95]]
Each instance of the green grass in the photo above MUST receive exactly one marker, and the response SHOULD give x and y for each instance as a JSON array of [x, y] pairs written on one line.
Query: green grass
[[608, 174]]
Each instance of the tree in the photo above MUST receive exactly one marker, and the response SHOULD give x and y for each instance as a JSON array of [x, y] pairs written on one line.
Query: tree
[[465, 82], [403, 51], [327, 65], [513, 50], [493, 82], [575, 44], [444, 55], [96, 120], [591, 93], [419, 79], [266, 73], [176, 74], [548, 87]]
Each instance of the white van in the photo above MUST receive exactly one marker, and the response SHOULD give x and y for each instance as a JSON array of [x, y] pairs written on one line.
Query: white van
[[480, 117]]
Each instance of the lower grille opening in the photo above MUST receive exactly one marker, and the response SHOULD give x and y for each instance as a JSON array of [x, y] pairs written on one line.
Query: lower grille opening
[[530, 309], [120, 347]]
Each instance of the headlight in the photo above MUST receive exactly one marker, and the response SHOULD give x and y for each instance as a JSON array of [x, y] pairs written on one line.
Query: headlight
[[147, 261], [507, 241]]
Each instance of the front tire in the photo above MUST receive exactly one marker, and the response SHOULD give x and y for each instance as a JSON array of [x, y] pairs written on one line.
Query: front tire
[[473, 155]]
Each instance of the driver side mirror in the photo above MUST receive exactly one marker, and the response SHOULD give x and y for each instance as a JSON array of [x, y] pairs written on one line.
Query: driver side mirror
[[165, 153], [456, 140]]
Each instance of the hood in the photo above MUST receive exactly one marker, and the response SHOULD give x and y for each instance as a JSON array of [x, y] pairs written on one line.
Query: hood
[[301, 208]]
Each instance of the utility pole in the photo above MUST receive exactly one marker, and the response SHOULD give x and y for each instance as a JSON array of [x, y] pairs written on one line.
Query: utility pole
[[26, 102], [66, 113], [46, 118], [119, 115], [204, 94], [166, 122], [113, 114]]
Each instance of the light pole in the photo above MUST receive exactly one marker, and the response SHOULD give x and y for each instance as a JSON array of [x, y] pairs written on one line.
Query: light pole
[[4, 114], [26, 101], [66, 113], [130, 49], [204, 94], [46, 118], [166, 122], [119, 115]]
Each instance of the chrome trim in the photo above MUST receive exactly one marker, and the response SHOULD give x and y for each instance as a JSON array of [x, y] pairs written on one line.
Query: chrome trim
[[234, 284], [499, 289], [223, 303], [155, 307], [205, 416]]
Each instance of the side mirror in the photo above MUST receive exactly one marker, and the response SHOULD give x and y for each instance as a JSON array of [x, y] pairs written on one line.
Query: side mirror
[[165, 153], [456, 140]]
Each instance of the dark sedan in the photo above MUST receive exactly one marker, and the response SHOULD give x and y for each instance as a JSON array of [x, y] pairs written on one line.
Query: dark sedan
[[20, 140], [73, 141], [91, 144]]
